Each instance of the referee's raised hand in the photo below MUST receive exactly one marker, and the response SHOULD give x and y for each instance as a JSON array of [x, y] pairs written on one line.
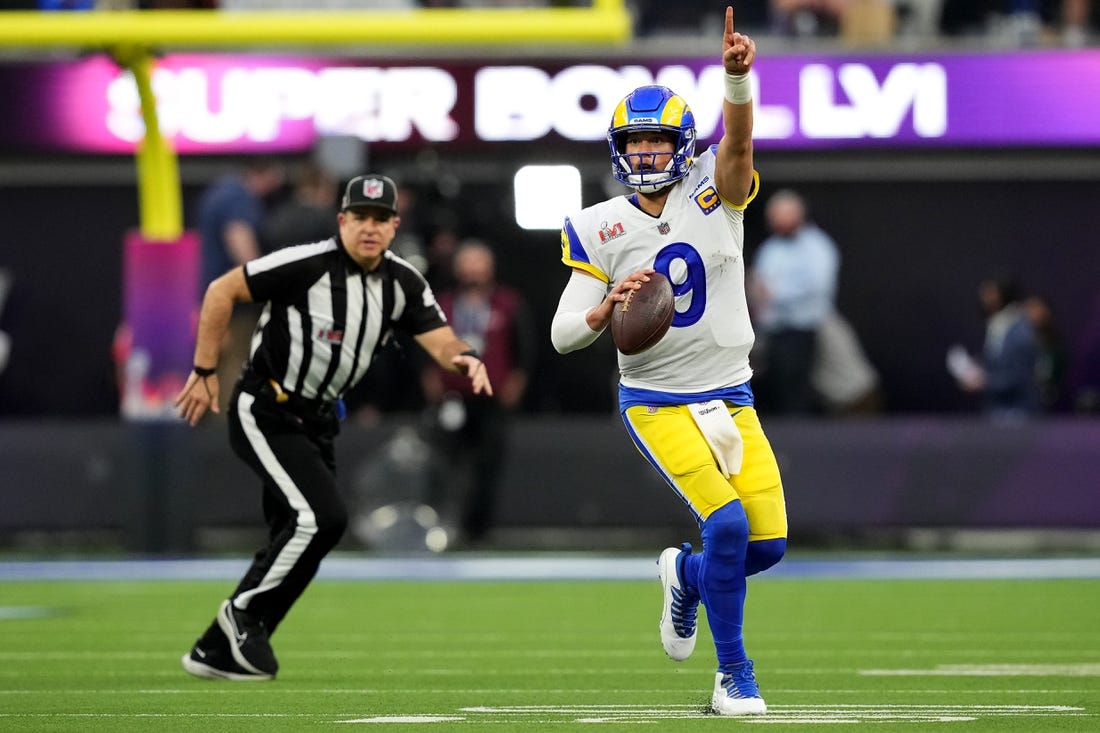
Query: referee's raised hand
[[197, 396]]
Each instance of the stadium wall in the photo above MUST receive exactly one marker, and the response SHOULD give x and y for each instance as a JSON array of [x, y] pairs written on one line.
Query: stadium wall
[[164, 488]]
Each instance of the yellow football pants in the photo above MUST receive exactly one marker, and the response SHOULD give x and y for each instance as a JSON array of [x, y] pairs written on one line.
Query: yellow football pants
[[671, 441]]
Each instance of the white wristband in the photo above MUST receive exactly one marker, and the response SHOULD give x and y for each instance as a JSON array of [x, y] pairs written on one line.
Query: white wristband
[[738, 89]]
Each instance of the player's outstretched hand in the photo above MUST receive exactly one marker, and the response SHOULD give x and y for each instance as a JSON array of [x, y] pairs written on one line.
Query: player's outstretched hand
[[738, 50], [197, 396]]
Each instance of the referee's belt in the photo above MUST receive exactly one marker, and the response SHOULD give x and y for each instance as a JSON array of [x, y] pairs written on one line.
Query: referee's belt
[[302, 406]]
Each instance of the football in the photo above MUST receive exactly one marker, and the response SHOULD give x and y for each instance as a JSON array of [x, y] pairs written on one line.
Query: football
[[641, 320]]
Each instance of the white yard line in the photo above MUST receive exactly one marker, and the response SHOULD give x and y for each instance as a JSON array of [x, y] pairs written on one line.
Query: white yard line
[[598, 714]]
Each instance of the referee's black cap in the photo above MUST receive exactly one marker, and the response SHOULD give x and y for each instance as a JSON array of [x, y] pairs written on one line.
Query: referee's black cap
[[371, 190]]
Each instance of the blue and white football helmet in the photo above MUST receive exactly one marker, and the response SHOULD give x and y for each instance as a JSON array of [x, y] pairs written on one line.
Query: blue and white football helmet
[[651, 108]]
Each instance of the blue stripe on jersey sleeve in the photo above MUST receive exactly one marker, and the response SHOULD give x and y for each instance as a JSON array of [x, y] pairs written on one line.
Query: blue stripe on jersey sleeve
[[572, 251], [574, 254]]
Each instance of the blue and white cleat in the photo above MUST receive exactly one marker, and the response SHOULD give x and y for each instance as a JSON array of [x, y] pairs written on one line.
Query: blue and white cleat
[[679, 608], [735, 691]]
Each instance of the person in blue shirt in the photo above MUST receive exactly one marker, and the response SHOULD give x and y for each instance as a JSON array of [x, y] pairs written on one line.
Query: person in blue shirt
[[1006, 374], [230, 218], [793, 292]]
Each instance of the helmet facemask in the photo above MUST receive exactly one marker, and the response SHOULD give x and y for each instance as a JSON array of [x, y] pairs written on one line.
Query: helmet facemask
[[651, 108]]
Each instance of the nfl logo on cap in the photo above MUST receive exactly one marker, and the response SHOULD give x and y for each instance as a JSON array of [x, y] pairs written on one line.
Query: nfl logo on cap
[[371, 190]]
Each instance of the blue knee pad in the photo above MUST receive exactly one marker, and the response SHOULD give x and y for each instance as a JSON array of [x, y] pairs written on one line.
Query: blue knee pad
[[762, 554], [722, 579], [725, 540]]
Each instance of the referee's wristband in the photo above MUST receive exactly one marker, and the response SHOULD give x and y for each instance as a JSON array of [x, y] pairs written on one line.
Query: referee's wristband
[[473, 353], [203, 371]]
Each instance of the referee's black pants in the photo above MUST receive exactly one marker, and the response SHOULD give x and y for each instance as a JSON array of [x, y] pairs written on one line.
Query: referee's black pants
[[292, 452]]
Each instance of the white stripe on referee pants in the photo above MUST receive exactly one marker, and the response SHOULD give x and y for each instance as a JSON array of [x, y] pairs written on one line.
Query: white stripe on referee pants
[[306, 526]]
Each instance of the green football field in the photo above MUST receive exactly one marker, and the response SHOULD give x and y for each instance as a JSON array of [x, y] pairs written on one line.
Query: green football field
[[837, 655]]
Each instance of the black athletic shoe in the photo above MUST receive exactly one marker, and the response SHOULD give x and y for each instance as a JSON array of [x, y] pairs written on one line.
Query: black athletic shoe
[[248, 642], [210, 658]]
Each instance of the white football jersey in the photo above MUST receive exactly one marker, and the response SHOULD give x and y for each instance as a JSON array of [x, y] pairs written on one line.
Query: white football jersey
[[698, 242]]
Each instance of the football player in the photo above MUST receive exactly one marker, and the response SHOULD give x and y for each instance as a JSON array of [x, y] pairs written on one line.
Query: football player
[[686, 401]]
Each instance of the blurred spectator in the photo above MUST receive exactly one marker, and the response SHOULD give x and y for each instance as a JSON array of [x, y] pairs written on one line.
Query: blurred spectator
[[410, 243], [1074, 22], [473, 429], [176, 4], [309, 215], [1024, 21], [118, 4], [1085, 371], [231, 214], [807, 18], [1035, 22], [690, 17], [266, 5], [1006, 372], [792, 289], [868, 22], [230, 218], [965, 17], [60, 5], [845, 381], [1021, 22], [442, 245], [1052, 358], [919, 18]]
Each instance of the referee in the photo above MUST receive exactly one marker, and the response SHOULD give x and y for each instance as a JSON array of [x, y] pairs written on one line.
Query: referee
[[329, 307]]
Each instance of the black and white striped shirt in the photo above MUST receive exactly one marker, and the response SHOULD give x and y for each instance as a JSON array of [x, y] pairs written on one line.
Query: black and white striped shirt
[[325, 317]]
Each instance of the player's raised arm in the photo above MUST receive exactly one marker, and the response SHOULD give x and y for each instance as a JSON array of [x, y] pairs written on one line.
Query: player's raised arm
[[733, 172]]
